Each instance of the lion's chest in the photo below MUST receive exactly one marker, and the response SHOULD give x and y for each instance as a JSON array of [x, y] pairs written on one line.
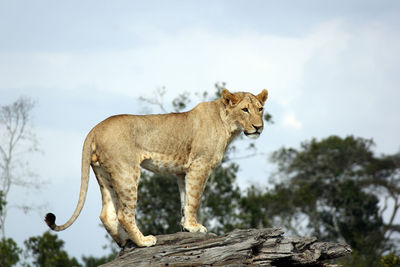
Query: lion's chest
[[164, 164]]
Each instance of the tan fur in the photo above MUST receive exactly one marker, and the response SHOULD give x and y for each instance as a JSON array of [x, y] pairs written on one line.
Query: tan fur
[[188, 144]]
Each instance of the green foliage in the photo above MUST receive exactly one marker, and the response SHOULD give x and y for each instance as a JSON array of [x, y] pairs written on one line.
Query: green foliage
[[259, 207], [158, 210], [326, 182], [356, 259], [254, 207], [9, 252], [91, 261], [220, 201], [3, 204], [390, 260], [219, 86], [180, 103], [47, 250]]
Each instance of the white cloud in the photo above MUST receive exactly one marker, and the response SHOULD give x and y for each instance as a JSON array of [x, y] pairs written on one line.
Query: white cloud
[[337, 72], [190, 60], [290, 121], [352, 86]]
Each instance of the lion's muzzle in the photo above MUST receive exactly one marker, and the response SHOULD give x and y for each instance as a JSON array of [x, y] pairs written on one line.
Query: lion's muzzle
[[255, 133]]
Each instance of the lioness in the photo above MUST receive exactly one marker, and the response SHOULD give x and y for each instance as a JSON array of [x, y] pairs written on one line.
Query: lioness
[[188, 144]]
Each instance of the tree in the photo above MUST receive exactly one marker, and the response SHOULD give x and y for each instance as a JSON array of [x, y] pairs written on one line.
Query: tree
[[158, 209], [2, 205], [220, 201], [384, 180], [47, 250], [91, 261], [9, 250], [332, 186], [390, 260], [17, 139]]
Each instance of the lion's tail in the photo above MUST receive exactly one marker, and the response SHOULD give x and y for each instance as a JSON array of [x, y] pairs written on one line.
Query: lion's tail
[[50, 218]]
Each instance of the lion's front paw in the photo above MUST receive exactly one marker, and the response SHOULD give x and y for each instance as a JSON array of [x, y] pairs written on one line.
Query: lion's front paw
[[202, 229], [195, 228], [148, 241]]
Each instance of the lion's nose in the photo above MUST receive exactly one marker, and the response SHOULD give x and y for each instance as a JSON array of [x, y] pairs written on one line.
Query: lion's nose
[[257, 127]]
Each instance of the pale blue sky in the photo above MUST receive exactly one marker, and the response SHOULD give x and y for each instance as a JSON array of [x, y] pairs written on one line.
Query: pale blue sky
[[331, 67]]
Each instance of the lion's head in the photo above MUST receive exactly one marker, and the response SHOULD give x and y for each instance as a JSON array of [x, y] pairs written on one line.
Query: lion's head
[[246, 111]]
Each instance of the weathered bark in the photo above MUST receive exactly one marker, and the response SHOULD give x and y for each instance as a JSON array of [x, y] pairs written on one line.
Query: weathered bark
[[257, 247]]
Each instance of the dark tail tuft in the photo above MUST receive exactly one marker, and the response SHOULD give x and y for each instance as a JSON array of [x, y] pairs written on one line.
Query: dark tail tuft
[[50, 219]]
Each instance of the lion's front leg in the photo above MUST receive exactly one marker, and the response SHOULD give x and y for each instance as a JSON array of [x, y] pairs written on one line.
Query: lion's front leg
[[195, 181]]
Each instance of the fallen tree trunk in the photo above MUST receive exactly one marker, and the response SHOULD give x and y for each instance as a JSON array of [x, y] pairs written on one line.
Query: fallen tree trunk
[[257, 247]]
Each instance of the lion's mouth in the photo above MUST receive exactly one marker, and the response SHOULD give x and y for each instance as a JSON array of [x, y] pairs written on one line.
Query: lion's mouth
[[253, 135]]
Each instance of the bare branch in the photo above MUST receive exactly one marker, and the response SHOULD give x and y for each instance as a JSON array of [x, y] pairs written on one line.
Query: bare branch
[[385, 205], [157, 100], [16, 141], [248, 156], [388, 226]]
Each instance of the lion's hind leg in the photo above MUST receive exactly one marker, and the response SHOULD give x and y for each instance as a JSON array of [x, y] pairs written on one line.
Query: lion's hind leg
[[125, 183], [108, 215]]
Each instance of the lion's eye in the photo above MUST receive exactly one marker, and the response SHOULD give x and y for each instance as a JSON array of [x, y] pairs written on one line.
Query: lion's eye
[[260, 109], [245, 110]]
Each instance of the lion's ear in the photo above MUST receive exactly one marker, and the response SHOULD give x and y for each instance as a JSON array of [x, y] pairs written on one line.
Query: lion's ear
[[228, 98], [262, 97]]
